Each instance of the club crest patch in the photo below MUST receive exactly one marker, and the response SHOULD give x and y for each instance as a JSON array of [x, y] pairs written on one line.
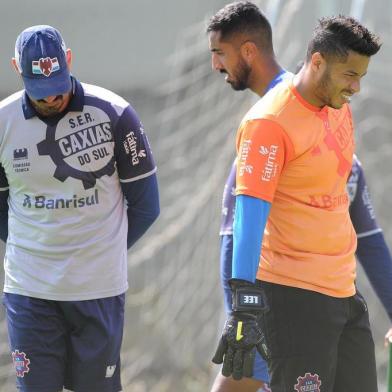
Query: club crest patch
[[21, 363], [82, 146], [308, 383], [45, 66]]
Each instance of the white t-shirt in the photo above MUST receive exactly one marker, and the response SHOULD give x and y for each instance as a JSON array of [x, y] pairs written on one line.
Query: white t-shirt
[[67, 215]]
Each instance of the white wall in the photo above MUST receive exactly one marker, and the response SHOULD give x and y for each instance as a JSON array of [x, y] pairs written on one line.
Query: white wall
[[118, 44]]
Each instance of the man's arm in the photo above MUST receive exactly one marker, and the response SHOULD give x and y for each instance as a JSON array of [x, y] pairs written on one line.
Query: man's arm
[[143, 206], [375, 258], [4, 215], [372, 251], [249, 223], [242, 331], [254, 196], [137, 172], [4, 193]]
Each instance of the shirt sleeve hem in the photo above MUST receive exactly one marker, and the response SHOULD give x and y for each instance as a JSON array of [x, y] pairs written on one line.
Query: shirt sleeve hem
[[369, 233], [258, 195], [148, 174]]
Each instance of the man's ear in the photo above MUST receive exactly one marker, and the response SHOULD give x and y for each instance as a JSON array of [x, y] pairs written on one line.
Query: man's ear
[[68, 55], [248, 51], [317, 62], [15, 65]]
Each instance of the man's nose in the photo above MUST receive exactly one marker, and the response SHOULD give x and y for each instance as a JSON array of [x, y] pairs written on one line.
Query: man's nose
[[50, 99], [215, 63], [356, 86]]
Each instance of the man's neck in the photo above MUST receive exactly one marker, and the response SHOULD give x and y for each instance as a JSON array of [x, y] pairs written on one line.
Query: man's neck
[[264, 73], [305, 87]]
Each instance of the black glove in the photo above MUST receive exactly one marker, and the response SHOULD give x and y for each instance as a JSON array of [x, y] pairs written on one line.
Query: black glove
[[242, 332]]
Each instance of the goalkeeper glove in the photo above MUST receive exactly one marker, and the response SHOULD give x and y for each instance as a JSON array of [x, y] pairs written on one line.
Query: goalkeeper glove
[[242, 333]]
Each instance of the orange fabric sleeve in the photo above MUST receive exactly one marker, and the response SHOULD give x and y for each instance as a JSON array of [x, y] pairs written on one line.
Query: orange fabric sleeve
[[263, 149]]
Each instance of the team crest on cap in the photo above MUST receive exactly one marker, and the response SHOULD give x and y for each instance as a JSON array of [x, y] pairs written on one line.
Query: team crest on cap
[[45, 66], [308, 383], [21, 363]]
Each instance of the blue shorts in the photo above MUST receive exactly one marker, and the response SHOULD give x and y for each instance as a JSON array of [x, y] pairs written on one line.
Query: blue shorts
[[71, 344], [260, 369]]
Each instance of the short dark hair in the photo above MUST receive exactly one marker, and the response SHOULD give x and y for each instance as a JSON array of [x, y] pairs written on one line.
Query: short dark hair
[[242, 17], [335, 36]]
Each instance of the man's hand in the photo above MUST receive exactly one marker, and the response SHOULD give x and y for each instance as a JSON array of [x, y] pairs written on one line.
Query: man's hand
[[242, 333]]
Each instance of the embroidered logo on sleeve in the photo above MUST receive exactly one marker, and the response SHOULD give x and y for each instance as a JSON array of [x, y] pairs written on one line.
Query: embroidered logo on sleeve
[[271, 167], [263, 150], [244, 167], [367, 201], [21, 363], [131, 148]]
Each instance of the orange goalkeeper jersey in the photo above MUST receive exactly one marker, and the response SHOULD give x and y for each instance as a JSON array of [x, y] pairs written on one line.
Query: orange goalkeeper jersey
[[298, 157]]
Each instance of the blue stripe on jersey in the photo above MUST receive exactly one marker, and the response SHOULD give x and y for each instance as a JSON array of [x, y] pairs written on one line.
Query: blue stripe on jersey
[[277, 79], [249, 222]]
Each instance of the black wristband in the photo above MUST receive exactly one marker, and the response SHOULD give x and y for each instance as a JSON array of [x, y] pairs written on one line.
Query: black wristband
[[247, 296]]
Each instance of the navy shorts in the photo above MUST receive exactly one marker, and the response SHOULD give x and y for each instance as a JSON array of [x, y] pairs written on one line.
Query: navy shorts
[[71, 344]]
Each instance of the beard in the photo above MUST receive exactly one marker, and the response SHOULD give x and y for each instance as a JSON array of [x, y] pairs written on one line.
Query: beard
[[323, 89], [241, 74], [46, 110], [328, 94]]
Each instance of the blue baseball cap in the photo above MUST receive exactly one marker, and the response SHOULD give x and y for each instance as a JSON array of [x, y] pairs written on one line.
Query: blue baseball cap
[[40, 55]]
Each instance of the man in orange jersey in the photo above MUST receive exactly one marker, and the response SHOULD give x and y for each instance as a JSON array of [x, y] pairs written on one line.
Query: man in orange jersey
[[239, 34], [295, 149]]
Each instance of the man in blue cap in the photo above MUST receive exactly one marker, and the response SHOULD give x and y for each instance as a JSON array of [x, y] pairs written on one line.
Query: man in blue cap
[[44, 62], [77, 189]]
